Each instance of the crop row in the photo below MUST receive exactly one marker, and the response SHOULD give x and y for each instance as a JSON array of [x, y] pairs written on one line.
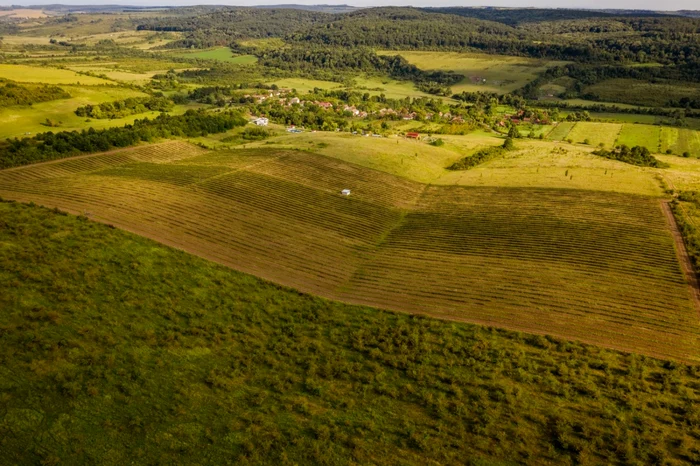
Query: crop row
[[332, 176], [151, 153], [600, 267]]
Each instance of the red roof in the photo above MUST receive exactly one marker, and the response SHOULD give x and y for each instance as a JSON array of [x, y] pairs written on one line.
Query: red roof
[[412, 135]]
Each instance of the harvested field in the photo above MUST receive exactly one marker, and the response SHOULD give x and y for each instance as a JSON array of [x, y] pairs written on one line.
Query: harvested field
[[591, 266]]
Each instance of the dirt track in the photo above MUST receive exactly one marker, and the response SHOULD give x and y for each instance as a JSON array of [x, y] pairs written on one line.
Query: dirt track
[[691, 276]]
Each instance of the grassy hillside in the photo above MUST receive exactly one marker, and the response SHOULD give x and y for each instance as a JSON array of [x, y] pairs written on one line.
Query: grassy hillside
[[493, 256], [117, 350]]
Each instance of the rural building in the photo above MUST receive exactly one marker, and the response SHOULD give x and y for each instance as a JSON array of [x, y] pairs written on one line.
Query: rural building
[[262, 121], [413, 135], [345, 192]]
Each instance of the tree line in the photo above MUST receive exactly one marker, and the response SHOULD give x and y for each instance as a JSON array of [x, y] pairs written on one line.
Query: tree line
[[50, 145], [17, 94], [126, 107]]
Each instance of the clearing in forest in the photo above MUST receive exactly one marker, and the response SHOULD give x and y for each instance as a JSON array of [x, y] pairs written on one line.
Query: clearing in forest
[[598, 267], [483, 73]]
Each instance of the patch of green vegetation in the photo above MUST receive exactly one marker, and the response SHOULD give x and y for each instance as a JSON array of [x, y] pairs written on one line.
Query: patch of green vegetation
[[638, 92], [640, 135], [115, 350], [221, 54], [482, 156], [636, 155]]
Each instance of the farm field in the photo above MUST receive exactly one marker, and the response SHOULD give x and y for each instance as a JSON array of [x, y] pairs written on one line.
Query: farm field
[[473, 254], [502, 73], [560, 131], [640, 135], [19, 120], [635, 92], [200, 365], [538, 164], [35, 74], [595, 133], [680, 140], [221, 54]]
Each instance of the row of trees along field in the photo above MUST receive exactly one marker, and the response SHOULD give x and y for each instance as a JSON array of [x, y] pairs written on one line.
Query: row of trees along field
[[126, 107], [50, 146], [18, 94]]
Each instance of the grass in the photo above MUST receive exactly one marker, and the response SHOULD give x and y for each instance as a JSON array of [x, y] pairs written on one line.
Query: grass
[[561, 131], [635, 92], [17, 121], [36, 74], [640, 135], [124, 351], [305, 85], [222, 54], [477, 254], [502, 73], [680, 140], [543, 165], [595, 133]]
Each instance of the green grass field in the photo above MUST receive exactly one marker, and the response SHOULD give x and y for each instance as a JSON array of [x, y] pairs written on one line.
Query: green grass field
[[36, 74], [680, 140], [561, 131], [501, 73], [640, 135], [634, 92], [251, 373], [595, 133], [222, 54]]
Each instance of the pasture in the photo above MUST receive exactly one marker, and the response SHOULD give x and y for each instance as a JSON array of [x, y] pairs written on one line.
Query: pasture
[[474, 254], [17, 121], [640, 135], [560, 131], [680, 140], [36, 74], [595, 133], [635, 92], [222, 54], [483, 73]]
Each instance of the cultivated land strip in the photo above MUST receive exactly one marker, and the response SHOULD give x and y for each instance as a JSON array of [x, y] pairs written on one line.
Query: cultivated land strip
[[691, 276], [592, 266]]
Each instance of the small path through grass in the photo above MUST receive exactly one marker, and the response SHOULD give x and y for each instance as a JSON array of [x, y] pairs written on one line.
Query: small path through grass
[[683, 257]]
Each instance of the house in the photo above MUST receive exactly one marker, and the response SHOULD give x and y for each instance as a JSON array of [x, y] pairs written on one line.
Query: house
[[294, 100], [324, 104], [413, 135], [262, 121], [345, 192]]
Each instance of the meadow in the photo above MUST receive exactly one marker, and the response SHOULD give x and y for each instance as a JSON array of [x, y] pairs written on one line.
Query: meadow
[[224, 54], [115, 351], [635, 92], [472, 254], [37, 74], [483, 73]]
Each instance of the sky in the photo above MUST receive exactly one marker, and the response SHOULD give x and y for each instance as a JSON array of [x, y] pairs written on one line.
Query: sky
[[668, 5]]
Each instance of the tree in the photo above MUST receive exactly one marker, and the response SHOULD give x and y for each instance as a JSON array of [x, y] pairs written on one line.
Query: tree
[[513, 132], [508, 144]]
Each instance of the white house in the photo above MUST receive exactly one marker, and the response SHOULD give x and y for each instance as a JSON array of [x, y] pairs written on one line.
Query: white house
[[345, 192], [262, 121]]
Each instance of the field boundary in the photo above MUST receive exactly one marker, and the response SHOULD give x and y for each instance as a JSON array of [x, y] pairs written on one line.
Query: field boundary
[[683, 257]]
